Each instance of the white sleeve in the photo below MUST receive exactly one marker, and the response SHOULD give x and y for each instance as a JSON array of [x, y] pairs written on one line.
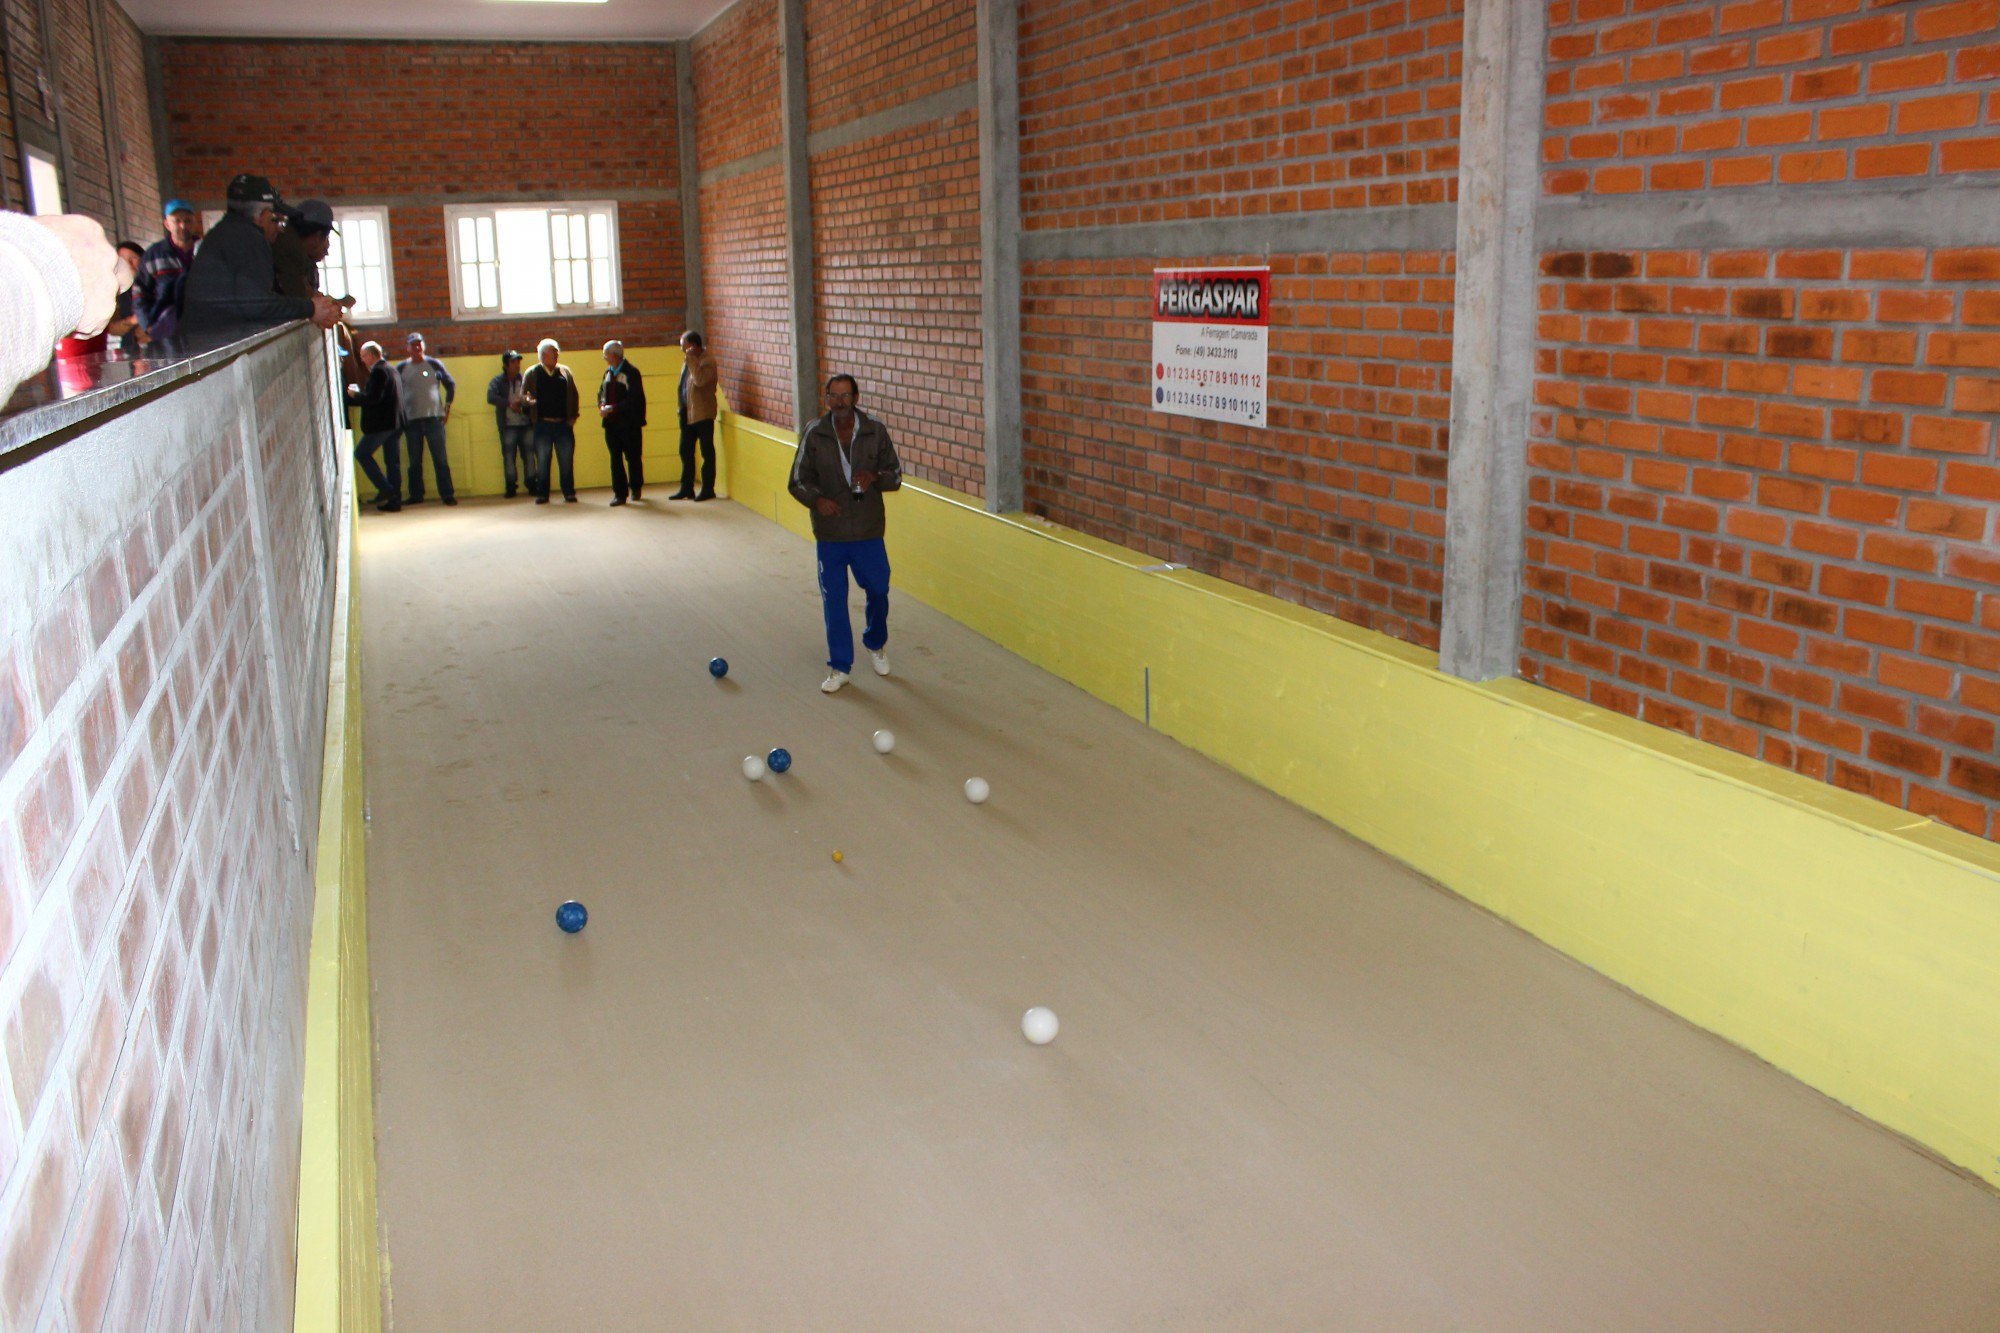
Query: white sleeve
[[41, 298]]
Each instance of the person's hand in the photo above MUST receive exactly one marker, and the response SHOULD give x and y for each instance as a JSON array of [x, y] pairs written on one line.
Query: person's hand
[[827, 506], [347, 303], [864, 479], [96, 264], [528, 398], [354, 391], [326, 310], [605, 409]]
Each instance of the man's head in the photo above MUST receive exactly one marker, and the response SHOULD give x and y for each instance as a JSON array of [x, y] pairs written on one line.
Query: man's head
[[691, 342], [614, 353], [313, 221], [254, 197], [415, 342], [549, 352], [183, 223], [130, 255], [371, 352], [510, 362], [842, 393]]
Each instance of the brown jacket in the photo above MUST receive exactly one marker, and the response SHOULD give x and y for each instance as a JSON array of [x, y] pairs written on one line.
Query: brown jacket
[[697, 394]]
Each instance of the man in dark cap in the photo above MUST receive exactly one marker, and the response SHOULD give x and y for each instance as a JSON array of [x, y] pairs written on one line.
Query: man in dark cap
[[301, 248], [510, 414], [232, 285]]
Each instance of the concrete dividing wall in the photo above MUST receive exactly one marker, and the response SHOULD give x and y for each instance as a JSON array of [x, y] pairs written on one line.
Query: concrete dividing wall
[[163, 665]]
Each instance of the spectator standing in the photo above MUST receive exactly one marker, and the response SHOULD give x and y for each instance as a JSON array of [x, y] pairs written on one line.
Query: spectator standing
[[549, 391], [163, 270], [510, 414], [380, 397], [232, 284], [844, 464], [428, 391], [621, 402], [302, 247], [698, 375]]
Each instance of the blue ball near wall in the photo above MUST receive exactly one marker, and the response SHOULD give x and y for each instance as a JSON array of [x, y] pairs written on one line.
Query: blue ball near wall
[[571, 916], [717, 667], [779, 760]]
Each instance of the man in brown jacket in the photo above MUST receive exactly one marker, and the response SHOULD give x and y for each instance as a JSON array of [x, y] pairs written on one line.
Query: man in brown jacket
[[697, 417]]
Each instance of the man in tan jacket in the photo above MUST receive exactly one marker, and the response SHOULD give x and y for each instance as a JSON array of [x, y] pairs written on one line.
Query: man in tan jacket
[[697, 417]]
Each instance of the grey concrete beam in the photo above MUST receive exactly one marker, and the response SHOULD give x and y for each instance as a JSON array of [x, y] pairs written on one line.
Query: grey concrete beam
[[690, 185], [999, 94], [742, 166], [1418, 227], [156, 106], [1492, 360], [798, 208], [1788, 217], [924, 111]]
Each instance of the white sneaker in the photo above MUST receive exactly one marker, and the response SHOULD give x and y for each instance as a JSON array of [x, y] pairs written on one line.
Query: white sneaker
[[833, 682], [881, 661]]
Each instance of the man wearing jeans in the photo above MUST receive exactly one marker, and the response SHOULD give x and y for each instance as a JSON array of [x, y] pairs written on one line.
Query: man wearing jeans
[[510, 414], [549, 391], [844, 465], [427, 393], [381, 403]]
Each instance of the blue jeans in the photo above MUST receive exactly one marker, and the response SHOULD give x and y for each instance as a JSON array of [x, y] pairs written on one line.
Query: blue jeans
[[557, 439], [388, 487], [518, 443], [415, 433], [870, 562]]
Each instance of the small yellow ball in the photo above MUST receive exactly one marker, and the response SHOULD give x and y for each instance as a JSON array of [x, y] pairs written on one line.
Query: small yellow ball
[[838, 857]]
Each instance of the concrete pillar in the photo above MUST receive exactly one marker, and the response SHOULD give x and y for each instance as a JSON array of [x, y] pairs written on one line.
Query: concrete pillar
[[1000, 250], [798, 209], [690, 187], [1492, 361]]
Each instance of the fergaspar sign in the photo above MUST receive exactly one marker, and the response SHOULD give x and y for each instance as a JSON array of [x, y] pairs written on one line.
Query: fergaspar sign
[[1211, 342]]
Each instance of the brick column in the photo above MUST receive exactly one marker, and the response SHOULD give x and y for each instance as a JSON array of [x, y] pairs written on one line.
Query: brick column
[[691, 317], [1000, 250], [798, 208], [1493, 339]]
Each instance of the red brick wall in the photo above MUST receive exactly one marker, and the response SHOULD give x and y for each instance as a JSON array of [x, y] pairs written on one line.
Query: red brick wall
[[1649, 96], [88, 188], [138, 161], [448, 119], [1137, 112], [738, 112], [1338, 506], [905, 50], [745, 292]]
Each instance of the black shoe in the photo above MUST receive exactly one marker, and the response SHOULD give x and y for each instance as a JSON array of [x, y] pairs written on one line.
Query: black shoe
[[636, 494], [569, 499], [389, 507], [706, 495], [681, 495], [619, 501], [414, 500], [451, 499], [510, 492], [541, 499]]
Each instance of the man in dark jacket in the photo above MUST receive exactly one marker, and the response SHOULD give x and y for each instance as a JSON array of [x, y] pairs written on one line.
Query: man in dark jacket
[[621, 402], [550, 394], [232, 285], [844, 464], [510, 414], [381, 399], [156, 294]]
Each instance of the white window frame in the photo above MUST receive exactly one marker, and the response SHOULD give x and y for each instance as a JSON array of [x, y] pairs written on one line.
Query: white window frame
[[462, 309], [342, 215], [31, 159]]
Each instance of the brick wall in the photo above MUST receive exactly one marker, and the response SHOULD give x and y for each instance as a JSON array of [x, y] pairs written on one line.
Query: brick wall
[[905, 50], [1339, 505], [1722, 96], [153, 909], [736, 85], [1764, 483], [1140, 112], [449, 122], [81, 26]]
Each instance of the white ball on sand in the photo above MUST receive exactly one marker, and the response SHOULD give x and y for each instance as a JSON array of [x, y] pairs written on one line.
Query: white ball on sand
[[976, 790], [1039, 1025], [885, 741], [753, 768]]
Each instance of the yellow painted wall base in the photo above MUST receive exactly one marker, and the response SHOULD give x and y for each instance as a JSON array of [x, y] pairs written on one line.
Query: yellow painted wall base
[[472, 437], [340, 1267], [1849, 943]]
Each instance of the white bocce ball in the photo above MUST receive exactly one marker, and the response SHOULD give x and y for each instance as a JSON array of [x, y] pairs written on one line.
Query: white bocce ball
[[753, 768], [976, 790], [1039, 1025], [885, 741]]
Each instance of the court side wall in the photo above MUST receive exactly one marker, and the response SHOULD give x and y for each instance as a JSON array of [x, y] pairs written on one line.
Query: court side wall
[[1848, 943]]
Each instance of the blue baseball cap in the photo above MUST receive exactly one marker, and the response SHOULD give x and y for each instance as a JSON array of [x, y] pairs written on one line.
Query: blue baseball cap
[[173, 206]]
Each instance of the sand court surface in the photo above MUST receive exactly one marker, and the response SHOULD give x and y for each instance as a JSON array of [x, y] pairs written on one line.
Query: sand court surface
[[1296, 1085]]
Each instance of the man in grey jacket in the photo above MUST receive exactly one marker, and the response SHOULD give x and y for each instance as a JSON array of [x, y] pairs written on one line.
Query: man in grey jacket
[[845, 463]]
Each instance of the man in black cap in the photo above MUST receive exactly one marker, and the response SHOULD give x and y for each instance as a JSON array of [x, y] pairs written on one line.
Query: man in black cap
[[302, 247], [510, 414], [232, 286]]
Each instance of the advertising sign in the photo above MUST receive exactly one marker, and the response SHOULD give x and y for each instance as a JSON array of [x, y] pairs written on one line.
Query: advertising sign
[[1211, 342]]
